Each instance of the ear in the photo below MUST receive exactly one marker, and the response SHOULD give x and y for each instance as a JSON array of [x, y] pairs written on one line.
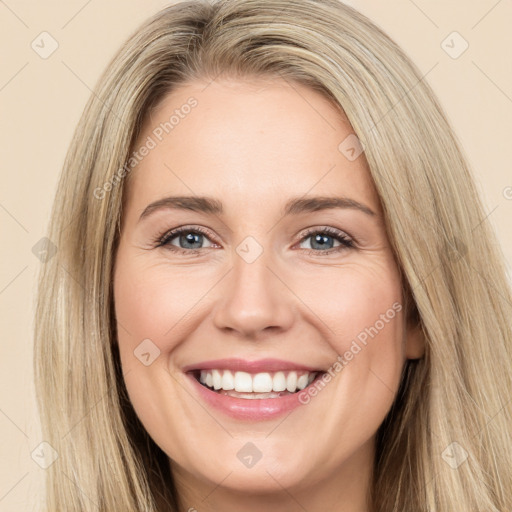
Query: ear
[[414, 341]]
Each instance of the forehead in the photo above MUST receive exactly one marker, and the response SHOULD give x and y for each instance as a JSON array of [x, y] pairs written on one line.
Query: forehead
[[248, 143]]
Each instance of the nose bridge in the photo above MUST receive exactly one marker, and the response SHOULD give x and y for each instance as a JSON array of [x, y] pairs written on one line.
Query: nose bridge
[[253, 297]]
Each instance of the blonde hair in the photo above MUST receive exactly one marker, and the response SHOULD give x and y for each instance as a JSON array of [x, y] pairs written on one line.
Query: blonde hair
[[453, 272]]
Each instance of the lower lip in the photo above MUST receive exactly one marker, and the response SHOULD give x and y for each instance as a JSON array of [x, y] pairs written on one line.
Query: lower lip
[[255, 409]]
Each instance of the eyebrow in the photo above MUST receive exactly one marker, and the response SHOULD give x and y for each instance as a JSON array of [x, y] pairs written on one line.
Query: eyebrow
[[294, 206]]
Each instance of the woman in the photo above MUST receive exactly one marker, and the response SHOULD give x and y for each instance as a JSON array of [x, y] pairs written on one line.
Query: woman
[[251, 370]]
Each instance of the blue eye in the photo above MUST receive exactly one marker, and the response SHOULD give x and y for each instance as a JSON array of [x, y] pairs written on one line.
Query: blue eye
[[190, 240], [320, 238], [193, 236]]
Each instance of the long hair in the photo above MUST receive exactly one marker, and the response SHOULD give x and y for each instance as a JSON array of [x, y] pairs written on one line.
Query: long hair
[[445, 444]]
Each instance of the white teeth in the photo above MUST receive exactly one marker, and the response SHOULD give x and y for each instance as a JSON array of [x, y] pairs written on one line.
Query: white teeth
[[243, 382], [279, 381], [302, 381], [217, 379], [228, 381], [264, 382], [291, 382]]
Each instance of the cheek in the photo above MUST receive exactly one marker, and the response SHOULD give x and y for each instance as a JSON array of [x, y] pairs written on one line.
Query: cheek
[[155, 303], [149, 305], [359, 311], [357, 303]]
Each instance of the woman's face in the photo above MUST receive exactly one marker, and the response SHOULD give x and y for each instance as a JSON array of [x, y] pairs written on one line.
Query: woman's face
[[277, 287]]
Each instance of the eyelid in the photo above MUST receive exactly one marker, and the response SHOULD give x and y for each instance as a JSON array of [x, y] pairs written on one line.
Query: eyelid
[[322, 229], [162, 240], [345, 240]]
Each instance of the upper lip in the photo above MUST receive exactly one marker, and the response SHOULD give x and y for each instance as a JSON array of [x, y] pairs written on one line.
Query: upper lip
[[255, 366]]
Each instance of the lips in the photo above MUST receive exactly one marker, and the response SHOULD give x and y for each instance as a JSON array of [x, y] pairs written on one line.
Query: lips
[[251, 390], [256, 366]]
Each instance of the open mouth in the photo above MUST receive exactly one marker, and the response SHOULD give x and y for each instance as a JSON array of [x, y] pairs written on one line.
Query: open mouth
[[262, 385]]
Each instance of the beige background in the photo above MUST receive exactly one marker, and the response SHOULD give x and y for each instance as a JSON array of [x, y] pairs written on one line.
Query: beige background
[[41, 101]]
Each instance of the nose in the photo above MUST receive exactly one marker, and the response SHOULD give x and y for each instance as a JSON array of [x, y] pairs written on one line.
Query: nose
[[255, 300]]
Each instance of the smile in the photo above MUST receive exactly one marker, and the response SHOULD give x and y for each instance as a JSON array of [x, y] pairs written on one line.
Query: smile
[[256, 386], [251, 390]]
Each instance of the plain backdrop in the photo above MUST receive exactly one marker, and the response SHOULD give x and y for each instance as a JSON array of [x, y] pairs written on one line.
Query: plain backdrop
[[41, 100]]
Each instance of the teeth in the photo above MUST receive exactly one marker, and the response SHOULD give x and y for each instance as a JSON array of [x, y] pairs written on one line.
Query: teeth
[[217, 379], [243, 382], [228, 381], [265, 382], [302, 381], [279, 381], [291, 382]]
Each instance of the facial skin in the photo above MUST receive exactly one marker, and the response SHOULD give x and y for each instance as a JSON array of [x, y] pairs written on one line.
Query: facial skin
[[253, 145]]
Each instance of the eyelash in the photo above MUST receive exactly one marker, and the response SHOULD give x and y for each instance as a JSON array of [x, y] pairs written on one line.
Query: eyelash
[[163, 240]]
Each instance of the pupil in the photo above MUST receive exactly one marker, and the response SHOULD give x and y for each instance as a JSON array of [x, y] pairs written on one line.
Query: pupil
[[321, 239], [190, 237]]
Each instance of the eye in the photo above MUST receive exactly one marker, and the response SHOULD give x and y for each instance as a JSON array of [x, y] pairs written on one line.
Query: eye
[[321, 240], [189, 239]]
